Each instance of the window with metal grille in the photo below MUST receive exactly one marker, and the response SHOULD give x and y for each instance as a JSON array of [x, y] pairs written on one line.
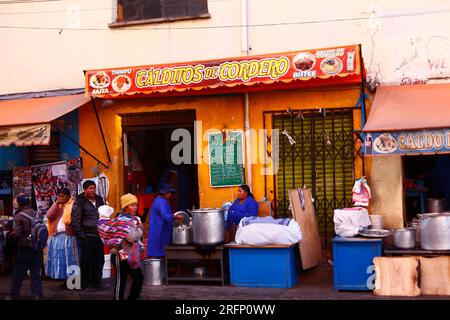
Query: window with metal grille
[[46, 154], [138, 10], [321, 159]]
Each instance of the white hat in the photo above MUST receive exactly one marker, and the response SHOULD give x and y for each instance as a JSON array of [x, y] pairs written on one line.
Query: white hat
[[105, 211]]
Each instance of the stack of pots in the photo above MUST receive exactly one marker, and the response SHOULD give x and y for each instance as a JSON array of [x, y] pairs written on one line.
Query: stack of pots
[[376, 221]]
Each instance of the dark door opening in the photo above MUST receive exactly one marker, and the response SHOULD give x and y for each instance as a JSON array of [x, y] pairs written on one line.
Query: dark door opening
[[425, 176], [148, 160]]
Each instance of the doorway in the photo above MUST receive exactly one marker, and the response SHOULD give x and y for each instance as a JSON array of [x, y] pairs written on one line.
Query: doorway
[[148, 161], [425, 176]]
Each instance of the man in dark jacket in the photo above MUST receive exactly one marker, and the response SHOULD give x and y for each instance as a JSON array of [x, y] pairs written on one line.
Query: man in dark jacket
[[84, 223], [27, 258]]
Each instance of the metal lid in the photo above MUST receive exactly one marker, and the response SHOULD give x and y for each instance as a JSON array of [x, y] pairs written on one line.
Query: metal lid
[[423, 216], [181, 218], [150, 260], [207, 210], [408, 229]]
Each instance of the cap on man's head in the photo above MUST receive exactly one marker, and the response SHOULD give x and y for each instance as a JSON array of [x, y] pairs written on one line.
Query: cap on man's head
[[23, 200], [88, 183]]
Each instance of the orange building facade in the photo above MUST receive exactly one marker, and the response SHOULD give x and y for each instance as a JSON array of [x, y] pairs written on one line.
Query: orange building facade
[[325, 103]]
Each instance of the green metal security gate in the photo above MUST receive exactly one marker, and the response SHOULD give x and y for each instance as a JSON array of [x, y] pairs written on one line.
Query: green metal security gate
[[322, 158]]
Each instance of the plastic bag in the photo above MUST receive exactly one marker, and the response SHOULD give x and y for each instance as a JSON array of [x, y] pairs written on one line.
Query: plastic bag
[[261, 234], [348, 222], [361, 193]]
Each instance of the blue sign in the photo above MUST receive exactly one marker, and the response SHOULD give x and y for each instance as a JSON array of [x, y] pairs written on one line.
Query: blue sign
[[407, 142]]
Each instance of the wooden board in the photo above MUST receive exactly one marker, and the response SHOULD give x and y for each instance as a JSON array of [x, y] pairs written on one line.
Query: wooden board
[[435, 276], [396, 276], [310, 246]]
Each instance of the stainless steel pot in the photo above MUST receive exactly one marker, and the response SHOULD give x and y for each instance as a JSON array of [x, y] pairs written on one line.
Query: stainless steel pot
[[405, 238], [208, 226], [435, 205], [435, 231], [415, 225], [154, 271], [182, 235]]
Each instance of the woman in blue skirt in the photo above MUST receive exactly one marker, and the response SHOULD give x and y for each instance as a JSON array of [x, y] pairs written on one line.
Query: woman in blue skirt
[[62, 250]]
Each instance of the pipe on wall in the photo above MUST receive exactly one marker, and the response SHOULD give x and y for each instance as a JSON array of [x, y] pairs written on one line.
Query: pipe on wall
[[245, 51]]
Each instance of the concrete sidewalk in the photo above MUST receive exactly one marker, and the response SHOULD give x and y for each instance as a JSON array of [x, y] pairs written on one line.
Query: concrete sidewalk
[[315, 284]]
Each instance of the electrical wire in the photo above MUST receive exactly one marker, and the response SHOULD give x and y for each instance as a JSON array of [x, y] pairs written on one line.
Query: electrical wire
[[59, 11], [53, 11], [274, 24], [27, 1]]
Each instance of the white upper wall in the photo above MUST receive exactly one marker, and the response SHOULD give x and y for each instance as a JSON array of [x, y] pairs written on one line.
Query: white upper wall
[[400, 39]]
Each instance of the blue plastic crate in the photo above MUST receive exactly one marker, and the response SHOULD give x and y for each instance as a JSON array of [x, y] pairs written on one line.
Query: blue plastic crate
[[264, 267], [352, 258]]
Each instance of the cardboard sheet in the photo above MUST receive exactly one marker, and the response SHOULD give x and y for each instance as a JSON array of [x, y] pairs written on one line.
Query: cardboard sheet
[[304, 215]]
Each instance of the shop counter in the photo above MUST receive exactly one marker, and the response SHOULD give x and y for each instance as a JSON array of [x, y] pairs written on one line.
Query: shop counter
[[353, 262], [274, 266], [392, 251]]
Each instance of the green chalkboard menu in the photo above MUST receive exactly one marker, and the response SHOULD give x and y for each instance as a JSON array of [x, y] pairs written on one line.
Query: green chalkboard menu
[[226, 165]]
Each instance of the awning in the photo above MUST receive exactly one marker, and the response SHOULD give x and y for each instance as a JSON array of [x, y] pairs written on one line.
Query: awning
[[409, 120], [309, 68], [26, 122]]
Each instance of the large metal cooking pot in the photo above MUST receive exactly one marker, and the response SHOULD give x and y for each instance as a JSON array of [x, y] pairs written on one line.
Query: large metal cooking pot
[[182, 235], [208, 226], [154, 271], [435, 205], [435, 231], [405, 238]]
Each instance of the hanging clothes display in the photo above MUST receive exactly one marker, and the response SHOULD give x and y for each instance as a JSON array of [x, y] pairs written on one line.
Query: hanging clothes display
[[102, 183], [75, 170]]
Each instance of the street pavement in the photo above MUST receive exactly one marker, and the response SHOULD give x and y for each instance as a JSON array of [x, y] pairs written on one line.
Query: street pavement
[[315, 284]]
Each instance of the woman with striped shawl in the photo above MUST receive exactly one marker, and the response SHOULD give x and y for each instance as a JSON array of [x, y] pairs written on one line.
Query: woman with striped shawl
[[123, 235]]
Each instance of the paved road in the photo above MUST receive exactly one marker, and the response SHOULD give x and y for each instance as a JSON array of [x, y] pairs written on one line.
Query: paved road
[[315, 284]]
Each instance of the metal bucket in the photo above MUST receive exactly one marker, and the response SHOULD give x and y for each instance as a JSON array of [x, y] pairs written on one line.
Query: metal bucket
[[154, 271]]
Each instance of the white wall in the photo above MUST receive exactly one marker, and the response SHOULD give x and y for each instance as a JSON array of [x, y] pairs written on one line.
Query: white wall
[[398, 40]]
